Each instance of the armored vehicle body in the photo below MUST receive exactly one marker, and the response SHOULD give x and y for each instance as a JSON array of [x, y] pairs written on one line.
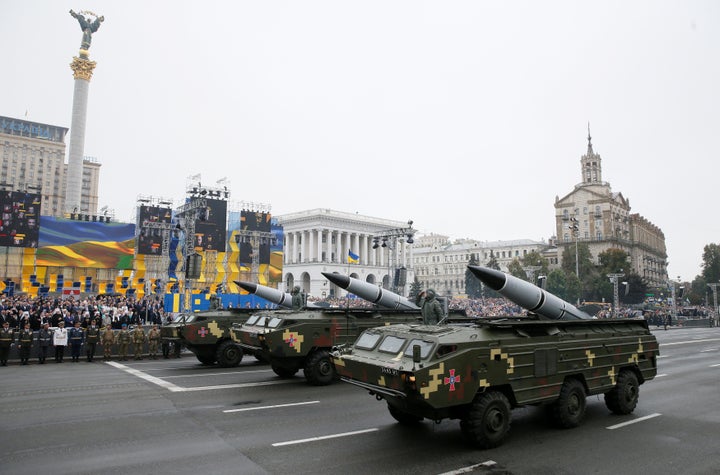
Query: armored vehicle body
[[207, 335], [302, 339], [477, 373]]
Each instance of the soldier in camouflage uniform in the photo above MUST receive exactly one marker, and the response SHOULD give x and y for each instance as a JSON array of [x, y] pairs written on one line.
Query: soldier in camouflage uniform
[[123, 340], [25, 340], [107, 339], [138, 337], [92, 335], [6, 339], [153, 340]]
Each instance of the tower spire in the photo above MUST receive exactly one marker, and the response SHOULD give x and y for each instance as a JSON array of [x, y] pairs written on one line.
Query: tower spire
[[590, 149], [591, 164]]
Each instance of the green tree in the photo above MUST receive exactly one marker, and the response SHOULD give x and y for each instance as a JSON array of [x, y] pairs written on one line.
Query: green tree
[[637, 288], [564, 285], [473, 286], [415, 289], [711, 263], [515, 269], [492, 263]]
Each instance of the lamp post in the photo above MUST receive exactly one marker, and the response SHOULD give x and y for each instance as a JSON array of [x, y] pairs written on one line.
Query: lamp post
[[714, 287], [389, 239], [616, 296], [575, 228]]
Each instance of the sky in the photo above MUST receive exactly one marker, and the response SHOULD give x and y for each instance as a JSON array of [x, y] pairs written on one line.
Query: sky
[[467, 117]]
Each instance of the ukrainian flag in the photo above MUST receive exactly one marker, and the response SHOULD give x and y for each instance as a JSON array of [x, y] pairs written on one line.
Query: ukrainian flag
[[353, 258]]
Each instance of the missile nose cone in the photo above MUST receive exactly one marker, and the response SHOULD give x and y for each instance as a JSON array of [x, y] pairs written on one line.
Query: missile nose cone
[[490, 277], [246, 286], [340, 280]]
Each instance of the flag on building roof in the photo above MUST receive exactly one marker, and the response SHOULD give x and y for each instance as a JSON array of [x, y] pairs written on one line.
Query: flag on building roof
[[353, 258]]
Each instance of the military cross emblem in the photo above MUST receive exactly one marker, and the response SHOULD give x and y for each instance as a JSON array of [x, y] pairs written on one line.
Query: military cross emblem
[[202, 332], [293, 340], [452, 380]]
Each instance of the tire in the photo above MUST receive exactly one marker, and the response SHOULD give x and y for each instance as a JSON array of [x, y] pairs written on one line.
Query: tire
[[284, 372], [488, 420], [569, 409], [623, 398], [403, 417], [206, 359], [229, 354], [319, 370]]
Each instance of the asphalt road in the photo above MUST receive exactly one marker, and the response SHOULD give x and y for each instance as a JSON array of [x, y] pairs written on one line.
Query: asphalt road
[[177, 416]]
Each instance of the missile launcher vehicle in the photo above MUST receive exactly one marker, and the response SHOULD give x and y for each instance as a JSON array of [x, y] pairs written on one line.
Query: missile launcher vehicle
[[477, 373], [207, 335], [292, 340]]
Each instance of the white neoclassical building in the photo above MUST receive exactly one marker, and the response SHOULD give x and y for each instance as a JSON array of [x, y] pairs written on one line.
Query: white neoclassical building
[[322, 240]]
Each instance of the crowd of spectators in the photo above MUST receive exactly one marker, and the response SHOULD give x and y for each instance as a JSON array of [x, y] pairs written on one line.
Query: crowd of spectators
[[106, 310]]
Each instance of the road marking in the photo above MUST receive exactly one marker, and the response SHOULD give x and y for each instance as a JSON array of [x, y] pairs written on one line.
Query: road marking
[[660, 375], [714, 365], [270, 407], [218, 374], [639, 419], [179, 389], [708, 349], [323, 437], [471, 468], [688, 342]]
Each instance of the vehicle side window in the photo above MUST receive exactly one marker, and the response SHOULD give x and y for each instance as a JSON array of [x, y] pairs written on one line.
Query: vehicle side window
[[425, 348], [367, 341]]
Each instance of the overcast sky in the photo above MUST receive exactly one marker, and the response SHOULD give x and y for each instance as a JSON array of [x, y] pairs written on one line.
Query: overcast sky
[[468, 117]]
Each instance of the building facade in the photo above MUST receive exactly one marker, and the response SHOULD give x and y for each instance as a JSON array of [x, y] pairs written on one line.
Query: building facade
[[325, 240], [32, 158], [594, 214], [441, 265]]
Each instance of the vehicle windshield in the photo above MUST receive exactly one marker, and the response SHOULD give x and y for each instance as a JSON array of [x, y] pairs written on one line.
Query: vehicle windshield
[[391, 344]]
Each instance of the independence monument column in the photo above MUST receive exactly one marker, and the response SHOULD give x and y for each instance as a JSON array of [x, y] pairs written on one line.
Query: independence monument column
[[82, 72]]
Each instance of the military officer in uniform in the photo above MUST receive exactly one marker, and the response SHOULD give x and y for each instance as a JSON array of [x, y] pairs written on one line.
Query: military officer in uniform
[[92, 335], [153, 337], [107, 340], [6, 339], [430, 308], [123, 340], [138, 338], [44, 340], [25, 341], [76, 336]]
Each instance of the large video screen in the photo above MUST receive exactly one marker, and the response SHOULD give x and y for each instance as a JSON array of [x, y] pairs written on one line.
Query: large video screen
[[251, 221], [210, 227], [150, 238], [19, 219]]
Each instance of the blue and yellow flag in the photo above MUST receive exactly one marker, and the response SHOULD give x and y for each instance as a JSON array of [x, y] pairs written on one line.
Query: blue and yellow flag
[[353, 258]]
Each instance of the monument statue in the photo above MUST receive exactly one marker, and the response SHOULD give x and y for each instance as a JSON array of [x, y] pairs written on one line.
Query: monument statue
[[89, 22]]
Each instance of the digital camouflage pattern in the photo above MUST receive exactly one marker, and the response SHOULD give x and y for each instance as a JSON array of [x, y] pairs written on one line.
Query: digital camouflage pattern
[[302, 339], [207, 335], [477, 373]]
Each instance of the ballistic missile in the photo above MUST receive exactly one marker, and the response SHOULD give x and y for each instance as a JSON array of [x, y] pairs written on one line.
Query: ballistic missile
[[284, 299], [371, 292], [527, 295]]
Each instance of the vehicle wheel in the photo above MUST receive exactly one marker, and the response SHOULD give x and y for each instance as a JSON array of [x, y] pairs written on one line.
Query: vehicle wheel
[[404, 417], [623, 398], [319, 370], [488, 420], [569, 409], [261, 358], [206, 359], [284, 372], [229, 354]]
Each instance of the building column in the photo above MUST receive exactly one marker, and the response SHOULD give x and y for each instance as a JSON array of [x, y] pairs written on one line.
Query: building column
[[320, 233]]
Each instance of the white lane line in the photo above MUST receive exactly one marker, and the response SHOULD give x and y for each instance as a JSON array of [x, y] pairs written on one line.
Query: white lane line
[[708, 349], [146, 377], [714, 365], [660, 375], [471, 468], [662, 356], [639, 419], [178, 389], [688, 342], [270, 407], [323, 437], [217, 374]]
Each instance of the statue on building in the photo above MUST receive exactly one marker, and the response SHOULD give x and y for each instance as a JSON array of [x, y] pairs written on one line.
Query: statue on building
[[89, 23]]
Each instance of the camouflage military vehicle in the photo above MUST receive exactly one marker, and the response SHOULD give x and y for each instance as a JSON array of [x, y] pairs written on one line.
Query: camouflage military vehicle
[[207, 335], [477, 373], [302, 339]]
